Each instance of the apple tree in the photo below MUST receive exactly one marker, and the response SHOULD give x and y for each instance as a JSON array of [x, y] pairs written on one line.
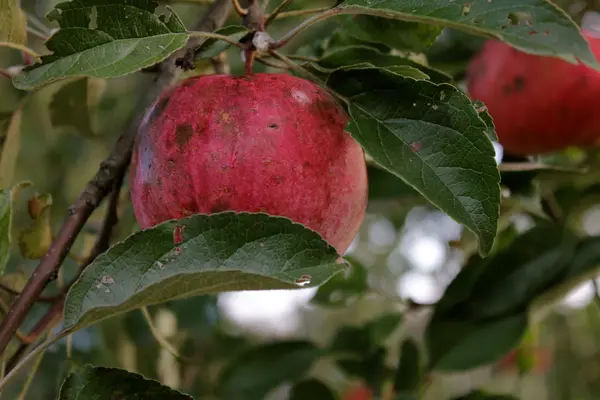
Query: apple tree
[[160, 157]]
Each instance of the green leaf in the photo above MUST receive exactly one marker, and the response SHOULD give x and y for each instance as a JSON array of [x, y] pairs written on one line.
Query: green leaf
[[363, 340], [252, 375], [352, 55], [213, 47], [585, 265], [10, 145], [219, 252], [102, 383], [481, 395], [337, 291], [534, 26], [13, 23], [432, 137], [35, 238], [311, 389], [73, 103], [487, 118], [127, 37], [514, 277], [409, 372], [458, 345], [370, 368], [397, 34], [384, 185]]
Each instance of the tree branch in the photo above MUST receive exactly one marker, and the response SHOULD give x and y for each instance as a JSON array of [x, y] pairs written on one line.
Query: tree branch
[[102, 183]]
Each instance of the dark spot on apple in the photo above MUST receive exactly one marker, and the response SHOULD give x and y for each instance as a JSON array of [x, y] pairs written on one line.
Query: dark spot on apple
[[220, 205], [273, 126], [518, 83], [183, 134]]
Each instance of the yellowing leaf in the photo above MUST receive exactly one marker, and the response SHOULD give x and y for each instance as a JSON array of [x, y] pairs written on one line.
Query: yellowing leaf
[[36, 238], [10, 142], [13, 24]]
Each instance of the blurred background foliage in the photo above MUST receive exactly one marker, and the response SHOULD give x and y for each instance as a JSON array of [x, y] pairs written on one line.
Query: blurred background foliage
[[405, 255]]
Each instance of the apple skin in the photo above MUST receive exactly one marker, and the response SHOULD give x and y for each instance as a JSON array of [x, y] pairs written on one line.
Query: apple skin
[[539, 104], [270, 143]]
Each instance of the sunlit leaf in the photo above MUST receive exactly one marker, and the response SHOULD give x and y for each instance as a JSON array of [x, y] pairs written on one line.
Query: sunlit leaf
[[534, 26], [121, 38]]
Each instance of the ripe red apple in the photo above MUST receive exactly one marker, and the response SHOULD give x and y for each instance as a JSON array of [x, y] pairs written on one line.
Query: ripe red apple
[[269, 143], [539, 104], [359, 392]]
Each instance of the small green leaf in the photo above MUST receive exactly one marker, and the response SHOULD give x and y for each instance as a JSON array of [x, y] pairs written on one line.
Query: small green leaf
[[252, 375], [13, 24], [102, 383], [459, 345], [534, 26], [487, 118], [10, 144], [481, 395], [219, 252], [363, 340], [432, 137], [397, 34], [336, 291], [352, 55], [371, 368], [127, 37], [212, 47], [311, 389], [36, 237], [409, 372], [73, 103]]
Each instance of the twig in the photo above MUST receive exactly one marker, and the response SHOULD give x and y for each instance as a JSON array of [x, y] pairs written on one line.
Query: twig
[[292, 65], [36, 33], [271, 63], [100, 184], [238, 8], [277, 11], [5, 73], [38, 24], [298, 13], [302, 58], [331, 12], [220, 64], [46, 323], [162, 341], [30, 376], [41, 299], [216, 36], [35, 352]]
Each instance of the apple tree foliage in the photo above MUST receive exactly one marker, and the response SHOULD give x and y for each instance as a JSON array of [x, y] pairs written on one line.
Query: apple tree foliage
[[398, 65]]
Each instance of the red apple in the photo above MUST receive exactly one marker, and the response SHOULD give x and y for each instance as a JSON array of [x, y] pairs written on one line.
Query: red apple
[[270, 143], [539, 104]]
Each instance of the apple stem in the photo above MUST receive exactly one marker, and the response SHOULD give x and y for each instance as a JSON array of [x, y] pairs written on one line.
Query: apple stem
[[239, 9], [254, 20]]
